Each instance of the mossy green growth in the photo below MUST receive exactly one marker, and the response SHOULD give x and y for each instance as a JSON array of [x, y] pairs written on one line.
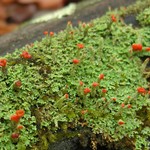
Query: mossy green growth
[[144, 17], [50, 74]]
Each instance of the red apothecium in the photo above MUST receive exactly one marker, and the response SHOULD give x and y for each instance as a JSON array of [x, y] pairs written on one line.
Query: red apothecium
[[80, 46], [25, 55], [95, 84], [84, 111], [15, 135], [51, 33], [3, 62], [129, 105], [20, 112], [81, 83], [86, 91], [15, 118], [17, 83], [141, 90], [137, 47], [148, 49], [113, 18], [101, 76], [121, 122], [114, 99], [66, 96], [104, 91], [45, 32], [19, 127], [75, 61], [122, 105]]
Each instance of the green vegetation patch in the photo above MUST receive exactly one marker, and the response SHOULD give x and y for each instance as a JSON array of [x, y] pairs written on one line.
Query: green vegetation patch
[[85, 79]]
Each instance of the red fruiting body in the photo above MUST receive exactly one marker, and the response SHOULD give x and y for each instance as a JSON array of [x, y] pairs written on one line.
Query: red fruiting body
[[129, 105], [86, 91], [19, 127], [66, 96], [25, 55], [101, 76], [104, 91], [80, 46], [15, 135], [113, 18], [148, 49], [15, 118], [75, 61], [95, 84], [136, 47], [51, 33], [17, 83], [141, 90], [84, 112], [120, 122], [20, 112], [45, 32], [81, 83], [3, 62], [114, 99], [122, 105]]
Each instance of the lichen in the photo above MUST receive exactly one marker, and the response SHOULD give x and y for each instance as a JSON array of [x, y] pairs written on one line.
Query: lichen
[[84, 80]]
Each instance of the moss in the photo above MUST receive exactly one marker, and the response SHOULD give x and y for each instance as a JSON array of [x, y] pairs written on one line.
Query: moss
[[139, 6], [144, 17], [50, 74]]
